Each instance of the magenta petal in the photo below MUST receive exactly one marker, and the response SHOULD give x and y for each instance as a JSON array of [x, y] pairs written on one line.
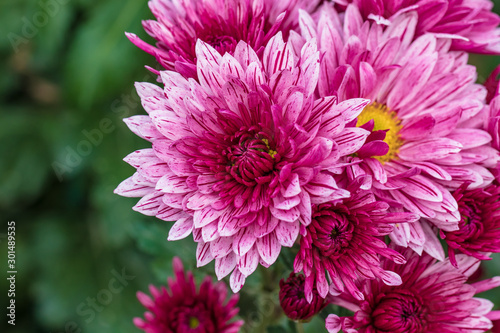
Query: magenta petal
[[418, 128], [373, 148]]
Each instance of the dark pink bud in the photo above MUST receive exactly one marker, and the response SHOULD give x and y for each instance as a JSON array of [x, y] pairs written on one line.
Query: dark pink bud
[[293, 301]]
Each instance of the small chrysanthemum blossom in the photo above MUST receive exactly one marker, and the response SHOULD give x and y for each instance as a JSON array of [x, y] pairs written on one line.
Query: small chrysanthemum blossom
[[433, 298], [220, 23], [479, 231], [423, 97], [293, 300], [472, 24], [343, 244], [239, 157], [185, 308]]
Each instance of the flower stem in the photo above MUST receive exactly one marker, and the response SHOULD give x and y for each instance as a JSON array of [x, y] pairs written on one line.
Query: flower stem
[[300, 327]]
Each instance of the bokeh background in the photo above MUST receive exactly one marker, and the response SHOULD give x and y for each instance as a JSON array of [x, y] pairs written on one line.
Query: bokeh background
[[66, 82]]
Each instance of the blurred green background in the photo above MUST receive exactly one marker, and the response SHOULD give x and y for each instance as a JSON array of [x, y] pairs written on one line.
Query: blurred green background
[[67, 74]]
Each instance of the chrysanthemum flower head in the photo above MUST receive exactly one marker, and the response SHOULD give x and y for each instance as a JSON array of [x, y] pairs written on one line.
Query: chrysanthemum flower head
[[433, 298], [220, 23], [239, 157], [293, 300], [472, 24], [343, 245], [185, 308], [479, 231], [423, 97]]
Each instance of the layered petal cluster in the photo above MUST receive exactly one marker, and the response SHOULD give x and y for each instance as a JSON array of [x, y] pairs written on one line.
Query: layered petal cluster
[[423, 98], [472, 24], [293, 300], [342, 246], [239, 158], [182, 307], [220, 23], [433, 298], [479, 231]]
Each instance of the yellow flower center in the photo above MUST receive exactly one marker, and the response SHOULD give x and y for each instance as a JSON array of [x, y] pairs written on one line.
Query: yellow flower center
[[384, 119], [194, 322], [271, 152]]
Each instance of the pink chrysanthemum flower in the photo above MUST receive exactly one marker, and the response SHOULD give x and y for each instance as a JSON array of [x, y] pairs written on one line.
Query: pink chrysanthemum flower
[[343, 245], [293, 300], [472, 23], [423, 96], [220, 23], [479, 231], [183, 308], [433, 298], [239, 157]]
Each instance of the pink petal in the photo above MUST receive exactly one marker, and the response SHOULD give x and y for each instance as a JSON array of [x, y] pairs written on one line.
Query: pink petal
[[149, 204], [224, 265], [181, 229], [143, 127], [269, 248], [171, 183], [249, 262], [245, 55], [128, 188], [287, 233], [278, 55], [470, 137], [221, 247], [139, 157], [203, 254], [333, 324], [236, 281], [351, 140], [168, 213], [206, 216], [152, 97], [429, 149], [244, 241], [209, 232]]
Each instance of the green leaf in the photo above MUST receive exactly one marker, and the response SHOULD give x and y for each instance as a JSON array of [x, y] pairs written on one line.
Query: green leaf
[[101, 56]]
